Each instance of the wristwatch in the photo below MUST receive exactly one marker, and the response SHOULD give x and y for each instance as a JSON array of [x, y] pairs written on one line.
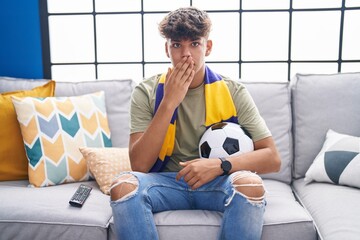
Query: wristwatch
[[225, 166]]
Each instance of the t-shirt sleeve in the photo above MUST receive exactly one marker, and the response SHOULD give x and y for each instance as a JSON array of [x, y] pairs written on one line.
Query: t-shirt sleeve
[[248, 113], [141, 112]]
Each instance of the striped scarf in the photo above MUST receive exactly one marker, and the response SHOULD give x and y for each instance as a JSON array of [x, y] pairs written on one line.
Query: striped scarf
[[219, 107]]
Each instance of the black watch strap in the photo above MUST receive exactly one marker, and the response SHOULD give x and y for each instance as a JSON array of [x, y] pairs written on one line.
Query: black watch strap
[[225, 166]]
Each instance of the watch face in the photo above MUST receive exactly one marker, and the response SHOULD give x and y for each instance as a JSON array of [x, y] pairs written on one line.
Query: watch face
[[226, 166]]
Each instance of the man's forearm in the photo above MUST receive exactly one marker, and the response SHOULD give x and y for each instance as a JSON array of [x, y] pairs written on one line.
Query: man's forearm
[[265, 158], [145, 147]]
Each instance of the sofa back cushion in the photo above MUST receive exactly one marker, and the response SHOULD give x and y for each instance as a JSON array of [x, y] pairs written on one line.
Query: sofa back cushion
[[272, 99], [273, 102], [117, 97], [320, 103]]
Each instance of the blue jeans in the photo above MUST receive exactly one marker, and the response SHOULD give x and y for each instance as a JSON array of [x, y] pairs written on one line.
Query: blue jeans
[[157, 192]]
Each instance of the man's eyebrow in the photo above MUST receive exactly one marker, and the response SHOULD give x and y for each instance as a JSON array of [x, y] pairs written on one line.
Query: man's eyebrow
[[192, 40]]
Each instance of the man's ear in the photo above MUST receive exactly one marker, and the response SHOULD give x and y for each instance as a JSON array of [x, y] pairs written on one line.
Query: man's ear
[[167, 50], [208, 47]]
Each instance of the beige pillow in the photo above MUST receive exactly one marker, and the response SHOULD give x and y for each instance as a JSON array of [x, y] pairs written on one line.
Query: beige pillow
[[106, 163]]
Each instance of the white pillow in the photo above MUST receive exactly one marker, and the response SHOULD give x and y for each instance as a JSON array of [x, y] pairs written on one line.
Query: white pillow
[[338, 162]]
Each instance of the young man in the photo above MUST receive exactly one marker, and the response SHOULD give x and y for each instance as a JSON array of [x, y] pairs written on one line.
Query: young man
[[169, 114]]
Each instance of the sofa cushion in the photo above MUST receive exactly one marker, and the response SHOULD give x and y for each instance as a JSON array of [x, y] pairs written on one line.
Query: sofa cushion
[[322, 102], [273, 102], [117, 96], [283, 217], [13, 161], [54, 128], [334, 208], [106, 163], [338, 161], [45, 213]]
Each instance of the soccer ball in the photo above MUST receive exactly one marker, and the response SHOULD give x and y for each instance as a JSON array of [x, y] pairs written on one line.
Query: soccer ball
[[224, 139]]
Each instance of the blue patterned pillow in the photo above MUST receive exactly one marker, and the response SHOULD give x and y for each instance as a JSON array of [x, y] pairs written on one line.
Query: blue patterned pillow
[[338, 161], [53, 129]]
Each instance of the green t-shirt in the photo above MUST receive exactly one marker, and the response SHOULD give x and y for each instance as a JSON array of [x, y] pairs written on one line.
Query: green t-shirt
[[190, 122]]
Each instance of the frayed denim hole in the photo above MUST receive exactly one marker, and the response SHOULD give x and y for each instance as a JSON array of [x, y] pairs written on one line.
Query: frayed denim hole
[[130, 179], [255, 201]]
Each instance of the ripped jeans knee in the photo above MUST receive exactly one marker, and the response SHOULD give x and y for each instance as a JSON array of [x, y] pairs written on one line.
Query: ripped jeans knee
[[249, 185], [124, 186]]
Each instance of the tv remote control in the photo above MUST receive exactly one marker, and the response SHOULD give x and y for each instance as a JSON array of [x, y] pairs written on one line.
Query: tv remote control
[[81, 194]]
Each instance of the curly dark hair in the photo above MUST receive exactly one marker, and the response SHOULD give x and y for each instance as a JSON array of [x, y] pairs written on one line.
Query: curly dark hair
[[185, 23]]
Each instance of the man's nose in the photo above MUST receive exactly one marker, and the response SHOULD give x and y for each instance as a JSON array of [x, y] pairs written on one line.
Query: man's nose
[[186, 52]]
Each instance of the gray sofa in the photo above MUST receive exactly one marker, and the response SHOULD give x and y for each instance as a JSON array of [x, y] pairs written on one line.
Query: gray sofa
[[298, 113]]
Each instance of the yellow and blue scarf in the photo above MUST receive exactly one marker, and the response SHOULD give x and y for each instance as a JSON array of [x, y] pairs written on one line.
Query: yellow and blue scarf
[[219, 107]]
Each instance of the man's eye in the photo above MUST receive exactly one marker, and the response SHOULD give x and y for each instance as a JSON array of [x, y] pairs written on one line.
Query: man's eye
[[195, 44], [176, 45]]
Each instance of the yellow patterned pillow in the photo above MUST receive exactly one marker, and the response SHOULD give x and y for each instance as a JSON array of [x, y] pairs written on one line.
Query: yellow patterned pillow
[[106, 163], [13, 161], [54, 128]]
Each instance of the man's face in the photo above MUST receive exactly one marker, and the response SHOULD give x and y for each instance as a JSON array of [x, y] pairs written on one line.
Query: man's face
[[198, 49]]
